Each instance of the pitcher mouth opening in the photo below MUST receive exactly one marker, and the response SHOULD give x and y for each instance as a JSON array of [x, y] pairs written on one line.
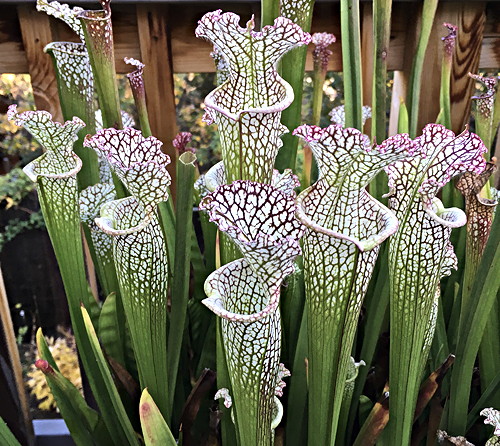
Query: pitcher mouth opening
[[390, 225], [276, 107]]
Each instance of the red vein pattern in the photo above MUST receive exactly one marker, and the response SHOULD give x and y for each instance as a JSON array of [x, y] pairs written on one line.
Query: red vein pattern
[[345, 226], [139, 247], [260, 220], [420, 254], [247, 106]]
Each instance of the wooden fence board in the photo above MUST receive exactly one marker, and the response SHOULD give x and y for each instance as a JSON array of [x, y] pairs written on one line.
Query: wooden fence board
[[36, 33], [189, 54], [158, 80], [471, 20]]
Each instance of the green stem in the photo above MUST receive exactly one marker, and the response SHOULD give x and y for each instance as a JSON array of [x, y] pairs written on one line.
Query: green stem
[[292, 70], [382, 31], [471, 331], [180, 283], [351, 63], [310, 166], [444, 92], [99, 40], [428, 12], [270, 9]]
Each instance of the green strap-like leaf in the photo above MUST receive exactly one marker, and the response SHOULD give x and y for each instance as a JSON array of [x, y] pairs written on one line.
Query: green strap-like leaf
[[79, 417], [154, 428], [6, 436], [419, 255], [247, 107], [139, 248], [345, 228], [120, 415], [245, 294]]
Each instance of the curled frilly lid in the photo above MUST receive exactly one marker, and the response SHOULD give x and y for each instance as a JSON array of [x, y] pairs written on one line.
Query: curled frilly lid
[[97, 24], [65, 13], [450, 39], [337, 115], [59, 160], [347, 163], [486, 100], [137, 161], [181, 141], [321, 53], [246, 210], [216, 176], [340, 151], [261, 220], [492, 418], [251, 58], [440, 155], [92, 199], [248, 289], [470, 185], [135, 77]]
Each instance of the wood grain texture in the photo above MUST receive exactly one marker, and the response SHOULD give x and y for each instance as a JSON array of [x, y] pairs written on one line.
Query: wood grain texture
[[470, 19], [190, 54], [36, 33], [158, 77]]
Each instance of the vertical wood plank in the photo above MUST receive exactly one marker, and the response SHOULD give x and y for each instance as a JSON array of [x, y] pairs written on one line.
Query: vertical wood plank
[[23, 427], [36, 33], [158, 76], [470, 18]]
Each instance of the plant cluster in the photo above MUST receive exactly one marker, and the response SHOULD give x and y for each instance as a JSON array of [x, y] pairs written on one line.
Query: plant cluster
[[272, 298]]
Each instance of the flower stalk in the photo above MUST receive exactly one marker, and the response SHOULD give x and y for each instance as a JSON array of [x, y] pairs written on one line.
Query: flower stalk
[[321, 57], [446, 66]]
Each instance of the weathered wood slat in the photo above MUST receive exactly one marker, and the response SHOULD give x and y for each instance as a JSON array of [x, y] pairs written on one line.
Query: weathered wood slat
[[189, 54], [36, 33], [158, 79], [471, 20]]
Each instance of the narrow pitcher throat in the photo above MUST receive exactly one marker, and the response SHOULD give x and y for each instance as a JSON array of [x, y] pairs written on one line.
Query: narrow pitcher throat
[[214, 101]]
